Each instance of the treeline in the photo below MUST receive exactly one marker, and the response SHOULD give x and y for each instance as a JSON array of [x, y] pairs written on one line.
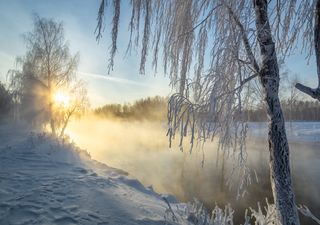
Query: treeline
[[293, 111], [151, 108], [155, 108], [6, 102]]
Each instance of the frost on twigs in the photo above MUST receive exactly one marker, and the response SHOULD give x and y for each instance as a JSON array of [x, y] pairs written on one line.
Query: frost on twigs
[[228, 43], [268, 216], [306, 212], [196, 214], [215, 114], [210, 51]]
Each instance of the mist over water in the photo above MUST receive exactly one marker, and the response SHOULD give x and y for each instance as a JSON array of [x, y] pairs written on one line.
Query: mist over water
[[141, 148]]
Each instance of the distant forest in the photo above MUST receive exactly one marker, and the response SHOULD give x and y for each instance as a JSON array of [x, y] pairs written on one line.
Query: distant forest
[[295, 111], [6, 102], [155, 108], [151, 108]]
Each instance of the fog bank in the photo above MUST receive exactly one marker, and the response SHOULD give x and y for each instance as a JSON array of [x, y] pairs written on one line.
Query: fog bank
[[141, 148]]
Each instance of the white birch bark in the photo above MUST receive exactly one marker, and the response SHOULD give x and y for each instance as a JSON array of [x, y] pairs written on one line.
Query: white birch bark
[[278, 144]]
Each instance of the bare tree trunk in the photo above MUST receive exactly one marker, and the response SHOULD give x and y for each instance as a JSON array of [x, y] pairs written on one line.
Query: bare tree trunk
[[52, 125], [278, 145], [66, 123], [222, 181], [64, 128]]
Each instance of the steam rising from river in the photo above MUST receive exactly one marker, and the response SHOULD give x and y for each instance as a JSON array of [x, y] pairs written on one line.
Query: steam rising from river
[[141, 148]]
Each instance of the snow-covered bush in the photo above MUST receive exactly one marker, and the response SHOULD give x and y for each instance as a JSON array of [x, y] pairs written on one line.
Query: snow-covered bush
[[196, 214], [264, 217], [59, 149]]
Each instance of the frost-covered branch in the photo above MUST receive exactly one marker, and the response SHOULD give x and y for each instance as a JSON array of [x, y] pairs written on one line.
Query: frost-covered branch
[[306, 212], [100, 21], [201, 22], [196, 214], [314, 92], [241, 40], [245, 40]]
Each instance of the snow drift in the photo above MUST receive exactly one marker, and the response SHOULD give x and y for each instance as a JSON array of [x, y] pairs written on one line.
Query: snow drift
[[48, 181]]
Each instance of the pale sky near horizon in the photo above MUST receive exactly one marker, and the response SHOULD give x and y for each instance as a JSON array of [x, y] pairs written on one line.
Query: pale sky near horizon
[[124, 84]]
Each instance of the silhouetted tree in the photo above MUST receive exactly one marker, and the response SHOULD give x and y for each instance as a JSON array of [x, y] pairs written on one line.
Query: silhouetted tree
[[6, 102], [47, 65], [78, 103]]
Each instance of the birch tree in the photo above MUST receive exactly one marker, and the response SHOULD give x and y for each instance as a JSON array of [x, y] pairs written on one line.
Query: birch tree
[[228, 43], [54, 65], [47, 62]]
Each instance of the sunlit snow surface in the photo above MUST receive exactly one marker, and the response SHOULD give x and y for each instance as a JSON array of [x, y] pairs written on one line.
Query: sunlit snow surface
[[43, 181]]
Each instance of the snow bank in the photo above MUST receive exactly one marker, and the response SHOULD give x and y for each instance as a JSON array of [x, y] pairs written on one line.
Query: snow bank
[[44, 180], [48, 181]]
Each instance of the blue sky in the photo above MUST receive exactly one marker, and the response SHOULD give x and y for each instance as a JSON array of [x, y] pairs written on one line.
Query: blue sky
[[124, 84]]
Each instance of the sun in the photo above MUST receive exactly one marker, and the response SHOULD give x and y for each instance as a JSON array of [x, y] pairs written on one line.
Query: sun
[[61, 99]]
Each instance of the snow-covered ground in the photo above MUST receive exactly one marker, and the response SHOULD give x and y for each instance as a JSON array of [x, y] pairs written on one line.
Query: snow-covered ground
[[48, 181], [45, 181]]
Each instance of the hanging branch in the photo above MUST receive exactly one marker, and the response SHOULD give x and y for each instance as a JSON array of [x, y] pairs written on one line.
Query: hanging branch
[[115, 27], [245, 40], [100, 24]]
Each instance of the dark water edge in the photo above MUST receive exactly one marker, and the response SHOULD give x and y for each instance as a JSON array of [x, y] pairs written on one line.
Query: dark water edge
[[305, 168]]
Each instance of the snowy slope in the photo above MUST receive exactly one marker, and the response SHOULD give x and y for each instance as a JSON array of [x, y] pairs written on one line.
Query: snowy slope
[[49, 181], [44, 181]]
